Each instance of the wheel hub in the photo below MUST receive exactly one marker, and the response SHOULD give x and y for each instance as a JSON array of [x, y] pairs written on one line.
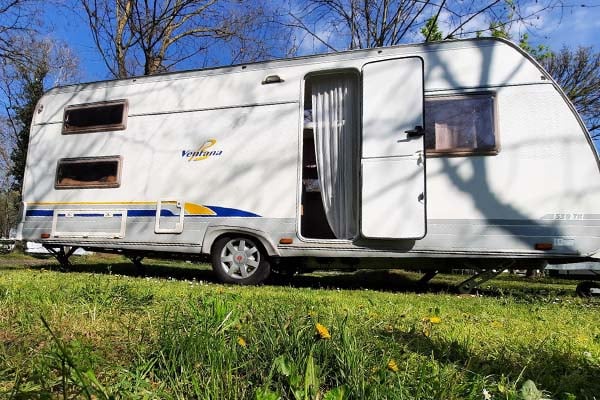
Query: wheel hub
[[240, 258]]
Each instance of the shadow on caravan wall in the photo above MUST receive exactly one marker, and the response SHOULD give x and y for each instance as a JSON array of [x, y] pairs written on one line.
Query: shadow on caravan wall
[[427, 157]]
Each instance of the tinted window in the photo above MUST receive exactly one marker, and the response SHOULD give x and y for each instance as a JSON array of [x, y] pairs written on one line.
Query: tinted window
[[88, 173], [460, 125], [95, 117]]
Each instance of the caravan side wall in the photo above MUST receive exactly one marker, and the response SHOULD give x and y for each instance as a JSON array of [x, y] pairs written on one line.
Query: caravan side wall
[[542, 186], [167, 153]]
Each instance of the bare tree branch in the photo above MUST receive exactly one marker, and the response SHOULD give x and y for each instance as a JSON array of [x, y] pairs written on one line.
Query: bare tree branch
[[159, 34]]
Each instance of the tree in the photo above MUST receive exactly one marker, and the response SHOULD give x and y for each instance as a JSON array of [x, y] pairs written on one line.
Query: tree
[[32, 80], [23, 79], [16, 18], [8, 198], [43, 63], [540, 52], [147, 37], [353, 24], [431, 31], [578, 73]]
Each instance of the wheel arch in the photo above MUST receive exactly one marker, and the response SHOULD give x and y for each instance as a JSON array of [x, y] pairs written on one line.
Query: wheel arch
[[215, 232]]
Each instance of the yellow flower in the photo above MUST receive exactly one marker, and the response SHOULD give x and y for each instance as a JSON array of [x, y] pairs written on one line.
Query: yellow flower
[[392, 366], [241, 341], [435, 320], [322, 331], [581, 338]]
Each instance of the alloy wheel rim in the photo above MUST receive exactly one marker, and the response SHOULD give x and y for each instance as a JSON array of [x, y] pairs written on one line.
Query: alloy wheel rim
[[240, 258]]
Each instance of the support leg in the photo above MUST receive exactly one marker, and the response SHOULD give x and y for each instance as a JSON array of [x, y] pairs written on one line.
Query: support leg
[[140, 268], [427, 277], [483, 276], [62, 254]]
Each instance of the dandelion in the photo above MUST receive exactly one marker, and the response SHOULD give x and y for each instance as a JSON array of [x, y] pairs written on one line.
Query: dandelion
[[435, 320], [581, 338], [496, 324], [392, 366], [241, 341], [486, 395], [322, 331]]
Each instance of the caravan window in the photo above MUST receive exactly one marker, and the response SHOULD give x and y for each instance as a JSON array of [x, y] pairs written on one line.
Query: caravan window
[[97, 172], [95, 117], [460, 125]]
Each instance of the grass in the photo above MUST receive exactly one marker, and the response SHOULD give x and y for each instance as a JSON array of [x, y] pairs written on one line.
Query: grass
[[100, 332]]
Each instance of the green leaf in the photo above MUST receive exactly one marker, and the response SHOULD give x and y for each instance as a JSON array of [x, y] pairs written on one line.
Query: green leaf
[[265, 394], [529, 391], [311, 377], [298, 394], [338, 393], [282, 365], [295, 381]]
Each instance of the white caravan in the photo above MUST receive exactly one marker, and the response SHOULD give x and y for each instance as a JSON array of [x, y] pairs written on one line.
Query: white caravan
[[429, 156]]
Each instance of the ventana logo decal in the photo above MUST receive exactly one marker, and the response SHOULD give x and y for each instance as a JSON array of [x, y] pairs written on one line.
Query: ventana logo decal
[[203, 152]]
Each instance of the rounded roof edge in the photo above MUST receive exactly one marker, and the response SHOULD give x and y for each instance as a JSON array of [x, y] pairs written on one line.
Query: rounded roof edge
[[277, 61]]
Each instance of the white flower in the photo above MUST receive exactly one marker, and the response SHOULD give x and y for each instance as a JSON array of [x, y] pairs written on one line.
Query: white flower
[[486, 395]]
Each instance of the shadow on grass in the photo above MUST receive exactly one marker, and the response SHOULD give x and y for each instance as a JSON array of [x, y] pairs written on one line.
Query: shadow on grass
[[376, 280], [553, 366], [163, 271]]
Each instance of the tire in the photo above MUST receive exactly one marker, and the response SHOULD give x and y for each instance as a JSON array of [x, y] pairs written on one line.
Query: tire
[[240, 259], [587, 289]]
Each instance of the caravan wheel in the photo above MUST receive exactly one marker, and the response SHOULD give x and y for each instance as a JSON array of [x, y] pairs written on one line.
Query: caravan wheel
[[240, 260]]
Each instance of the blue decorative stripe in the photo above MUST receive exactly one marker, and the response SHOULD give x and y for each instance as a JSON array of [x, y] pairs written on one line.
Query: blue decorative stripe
[[219, 212], [39, 213], [229, 212], [150, 213]]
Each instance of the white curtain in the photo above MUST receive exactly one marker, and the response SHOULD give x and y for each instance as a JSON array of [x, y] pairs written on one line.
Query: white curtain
[[334, 109]]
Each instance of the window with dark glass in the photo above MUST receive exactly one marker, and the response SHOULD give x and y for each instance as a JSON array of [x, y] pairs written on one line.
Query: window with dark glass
[[95, 117], [96, 172], [460, 125]]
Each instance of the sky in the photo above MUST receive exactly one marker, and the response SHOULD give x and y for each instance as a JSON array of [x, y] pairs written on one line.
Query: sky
[[576, 23], [573, 25]]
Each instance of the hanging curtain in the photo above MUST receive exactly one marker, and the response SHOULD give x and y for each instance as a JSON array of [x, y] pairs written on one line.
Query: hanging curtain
[[334, 109]]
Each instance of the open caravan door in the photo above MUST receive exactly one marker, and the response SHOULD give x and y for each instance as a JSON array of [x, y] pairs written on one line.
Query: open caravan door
[[393, 154]]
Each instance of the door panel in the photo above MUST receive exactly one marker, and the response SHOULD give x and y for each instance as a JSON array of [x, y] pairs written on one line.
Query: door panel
[[393, 201], [393, 104]]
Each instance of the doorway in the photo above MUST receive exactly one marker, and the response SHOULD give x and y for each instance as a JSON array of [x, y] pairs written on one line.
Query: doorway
[[330, 147]]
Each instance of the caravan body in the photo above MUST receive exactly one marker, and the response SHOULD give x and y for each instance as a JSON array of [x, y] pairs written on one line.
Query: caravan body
[[321, 156]]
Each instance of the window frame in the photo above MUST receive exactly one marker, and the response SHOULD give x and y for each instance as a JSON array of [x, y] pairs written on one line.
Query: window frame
[[66, 130], [81, 160], [466, 152]]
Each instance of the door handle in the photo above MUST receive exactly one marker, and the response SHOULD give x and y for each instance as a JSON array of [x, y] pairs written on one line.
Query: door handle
[[417, 132]]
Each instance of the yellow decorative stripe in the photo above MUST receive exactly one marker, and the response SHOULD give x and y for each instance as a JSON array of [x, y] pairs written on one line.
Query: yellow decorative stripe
[[190, 208], [87, 203], [197, 209]]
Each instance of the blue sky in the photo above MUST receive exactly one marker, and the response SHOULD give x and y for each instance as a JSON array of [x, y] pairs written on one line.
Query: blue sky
[[570, 25], [573, 25]]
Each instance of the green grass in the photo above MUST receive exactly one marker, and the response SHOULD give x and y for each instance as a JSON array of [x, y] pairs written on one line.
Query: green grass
[[101, 332]]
